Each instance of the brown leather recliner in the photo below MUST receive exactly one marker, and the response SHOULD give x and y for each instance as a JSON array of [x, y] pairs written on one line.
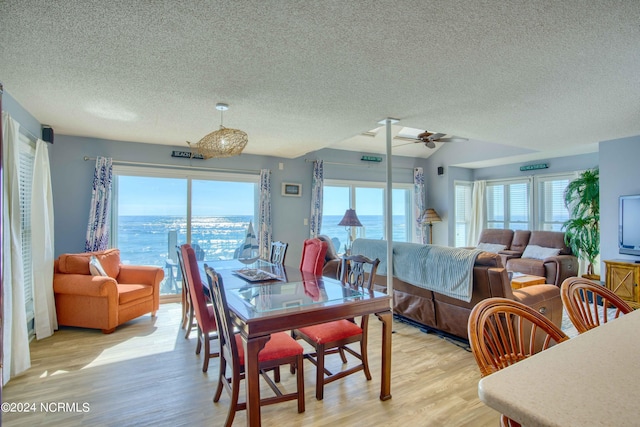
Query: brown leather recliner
[[554, 268], [331, 259], [103, 302]]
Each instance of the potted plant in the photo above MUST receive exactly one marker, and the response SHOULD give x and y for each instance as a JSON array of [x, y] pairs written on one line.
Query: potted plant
[[582, 230]]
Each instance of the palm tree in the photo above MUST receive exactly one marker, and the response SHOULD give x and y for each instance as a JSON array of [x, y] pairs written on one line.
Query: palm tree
[[582, 230]]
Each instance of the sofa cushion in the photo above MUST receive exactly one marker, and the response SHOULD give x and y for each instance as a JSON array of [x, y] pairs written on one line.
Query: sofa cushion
[[491, 247], [128, 293], [496, 235], [527, 266], [550, 239], [96, 268], [539, 252], [79, 263]]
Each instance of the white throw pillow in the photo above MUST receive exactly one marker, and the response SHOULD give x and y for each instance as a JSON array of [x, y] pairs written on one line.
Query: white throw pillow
[[491, 247], [539, 252], [96, 268]]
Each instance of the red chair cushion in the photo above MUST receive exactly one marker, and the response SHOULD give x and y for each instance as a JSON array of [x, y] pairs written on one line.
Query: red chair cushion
[[331, 331], [280, 345]]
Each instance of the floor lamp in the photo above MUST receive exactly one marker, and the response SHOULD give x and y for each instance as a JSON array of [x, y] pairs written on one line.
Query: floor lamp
[[429, 217], [350, 220]]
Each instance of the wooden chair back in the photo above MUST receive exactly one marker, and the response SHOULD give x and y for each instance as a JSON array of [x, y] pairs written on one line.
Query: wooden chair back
[[278, 252], [503, 332], [358, 270], [228, 344], [587, 303]]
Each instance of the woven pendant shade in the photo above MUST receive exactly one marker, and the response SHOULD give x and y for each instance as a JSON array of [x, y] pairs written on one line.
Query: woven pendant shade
[[223, 142]]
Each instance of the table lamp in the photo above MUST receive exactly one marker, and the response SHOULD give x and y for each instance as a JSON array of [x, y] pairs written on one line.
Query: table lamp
[[430, 216], [350, 220]]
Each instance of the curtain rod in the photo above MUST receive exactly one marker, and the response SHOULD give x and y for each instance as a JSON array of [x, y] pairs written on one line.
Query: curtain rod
[[28, 134], [163, 165], [359, 165]]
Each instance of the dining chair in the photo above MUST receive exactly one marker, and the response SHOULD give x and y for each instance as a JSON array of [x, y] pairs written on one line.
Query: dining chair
[[188, 318], [205, 318], [278, 252], [587, 304], [503, 332], [333, 337], [280, 350], [313, 252]]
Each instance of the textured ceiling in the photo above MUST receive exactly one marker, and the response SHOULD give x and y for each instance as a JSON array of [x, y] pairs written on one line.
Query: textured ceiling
[[303, 75]]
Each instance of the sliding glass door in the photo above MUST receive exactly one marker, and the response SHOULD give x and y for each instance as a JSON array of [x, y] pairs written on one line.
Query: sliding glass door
[[154, 212]]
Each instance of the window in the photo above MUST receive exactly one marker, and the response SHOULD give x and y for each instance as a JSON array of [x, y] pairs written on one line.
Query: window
[[27, 154], [368, 199], [507, 204], [552, 212], [155, 210], [462, 210]]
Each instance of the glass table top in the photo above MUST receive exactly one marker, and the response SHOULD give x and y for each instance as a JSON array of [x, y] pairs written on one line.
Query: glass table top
[[279, 296]]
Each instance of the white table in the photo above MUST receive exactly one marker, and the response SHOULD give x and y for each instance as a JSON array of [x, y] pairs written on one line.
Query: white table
[[590, 380]]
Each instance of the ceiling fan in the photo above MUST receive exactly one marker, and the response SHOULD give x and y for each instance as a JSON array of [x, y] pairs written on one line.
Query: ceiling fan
[[429, 139]]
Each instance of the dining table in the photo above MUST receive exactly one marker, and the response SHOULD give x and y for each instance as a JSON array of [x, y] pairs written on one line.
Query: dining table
[[266, 298], [592, 379]]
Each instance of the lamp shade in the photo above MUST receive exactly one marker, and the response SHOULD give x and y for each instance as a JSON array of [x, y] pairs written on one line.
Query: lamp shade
[[430, 216], [350, 219]]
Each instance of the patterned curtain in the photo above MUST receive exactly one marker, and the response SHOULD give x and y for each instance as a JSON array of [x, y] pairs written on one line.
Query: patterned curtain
[[264, 221], [418, 201], [98, 228], [316, 198]]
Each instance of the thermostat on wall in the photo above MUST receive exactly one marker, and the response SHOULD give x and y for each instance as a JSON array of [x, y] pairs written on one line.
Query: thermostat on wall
[[290, 189]]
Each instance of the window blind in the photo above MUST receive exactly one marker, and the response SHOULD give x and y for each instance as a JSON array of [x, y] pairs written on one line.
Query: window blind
[[25, 171]]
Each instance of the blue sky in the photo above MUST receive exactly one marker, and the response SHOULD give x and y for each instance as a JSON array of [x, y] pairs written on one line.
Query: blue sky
[[167, 196]]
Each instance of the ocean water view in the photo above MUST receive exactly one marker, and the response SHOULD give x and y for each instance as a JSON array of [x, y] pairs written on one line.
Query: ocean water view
[[144, 239]]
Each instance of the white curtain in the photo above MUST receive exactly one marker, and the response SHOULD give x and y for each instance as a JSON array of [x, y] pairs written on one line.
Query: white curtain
[[418, 200], [98, 227], [264, 222], [42, 244], [316, 198], [15, 336], [476, 222]]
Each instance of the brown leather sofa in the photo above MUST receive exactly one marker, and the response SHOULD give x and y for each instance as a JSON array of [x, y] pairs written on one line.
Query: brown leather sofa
[[450, 315], [331, 259], [555, 269], [437, 311], [103, 301]]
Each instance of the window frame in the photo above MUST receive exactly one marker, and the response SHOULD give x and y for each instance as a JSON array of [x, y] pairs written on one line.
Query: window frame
[[409, 202], [189, 175], [467, 220]]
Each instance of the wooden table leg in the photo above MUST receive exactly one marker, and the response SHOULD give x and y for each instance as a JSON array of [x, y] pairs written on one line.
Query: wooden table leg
[[387, 327], [252, 377]]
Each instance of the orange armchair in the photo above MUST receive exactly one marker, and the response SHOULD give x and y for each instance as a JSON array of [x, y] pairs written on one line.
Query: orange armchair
[[103, 302]]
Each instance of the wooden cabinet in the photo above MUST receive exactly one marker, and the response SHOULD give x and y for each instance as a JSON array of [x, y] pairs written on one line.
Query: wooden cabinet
[[623, 277]]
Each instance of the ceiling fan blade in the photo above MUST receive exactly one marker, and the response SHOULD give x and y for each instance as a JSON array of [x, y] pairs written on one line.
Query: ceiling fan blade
[[452, 139], [436, 136]]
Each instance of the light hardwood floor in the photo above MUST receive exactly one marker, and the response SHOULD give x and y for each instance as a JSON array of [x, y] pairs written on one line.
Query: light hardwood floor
[[146, 373]]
